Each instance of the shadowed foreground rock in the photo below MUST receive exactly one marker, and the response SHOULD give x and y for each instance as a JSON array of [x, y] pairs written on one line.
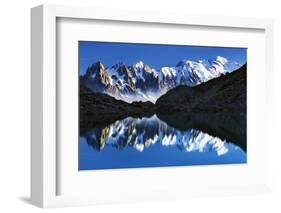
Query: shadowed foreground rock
[[97, 109]]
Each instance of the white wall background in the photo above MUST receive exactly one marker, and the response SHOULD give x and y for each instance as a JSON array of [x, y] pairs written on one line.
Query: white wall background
[[15, 104]]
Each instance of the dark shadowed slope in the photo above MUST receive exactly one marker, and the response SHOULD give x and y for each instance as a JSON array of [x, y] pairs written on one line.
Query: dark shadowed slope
[[97, 109], [223, 94]]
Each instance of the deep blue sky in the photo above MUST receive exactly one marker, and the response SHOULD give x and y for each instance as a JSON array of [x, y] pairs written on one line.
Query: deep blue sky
[[154, 55]]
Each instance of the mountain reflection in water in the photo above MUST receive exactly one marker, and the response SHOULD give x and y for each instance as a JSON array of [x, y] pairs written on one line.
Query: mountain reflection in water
[[151, 142]]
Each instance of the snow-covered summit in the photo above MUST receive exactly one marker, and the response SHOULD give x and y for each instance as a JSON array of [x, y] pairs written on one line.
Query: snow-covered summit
[[140, 82]]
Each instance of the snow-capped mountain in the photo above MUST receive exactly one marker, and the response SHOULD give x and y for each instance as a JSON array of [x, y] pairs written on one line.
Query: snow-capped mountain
[[140, 82], [142, 133]]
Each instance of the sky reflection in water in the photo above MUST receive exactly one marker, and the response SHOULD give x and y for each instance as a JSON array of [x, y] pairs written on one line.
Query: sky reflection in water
[[150, 142]]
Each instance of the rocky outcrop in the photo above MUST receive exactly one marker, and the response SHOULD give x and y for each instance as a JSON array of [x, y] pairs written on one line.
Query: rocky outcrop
[[98, 109]]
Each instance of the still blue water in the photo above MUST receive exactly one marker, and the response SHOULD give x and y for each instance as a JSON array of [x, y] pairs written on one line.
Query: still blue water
[[150, 142]]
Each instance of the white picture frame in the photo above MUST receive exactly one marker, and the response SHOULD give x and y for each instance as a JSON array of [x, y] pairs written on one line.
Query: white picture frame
[[44, 155]]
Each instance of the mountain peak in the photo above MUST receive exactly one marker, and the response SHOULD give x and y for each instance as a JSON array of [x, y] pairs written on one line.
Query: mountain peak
[[139, 64], [141, 82], [222, 60], [180, 63], [97, 64], [187, 62], [119, 64], [94, 68]]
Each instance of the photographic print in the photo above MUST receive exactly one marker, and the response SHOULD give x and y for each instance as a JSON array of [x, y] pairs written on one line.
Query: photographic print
[[155, 105]]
